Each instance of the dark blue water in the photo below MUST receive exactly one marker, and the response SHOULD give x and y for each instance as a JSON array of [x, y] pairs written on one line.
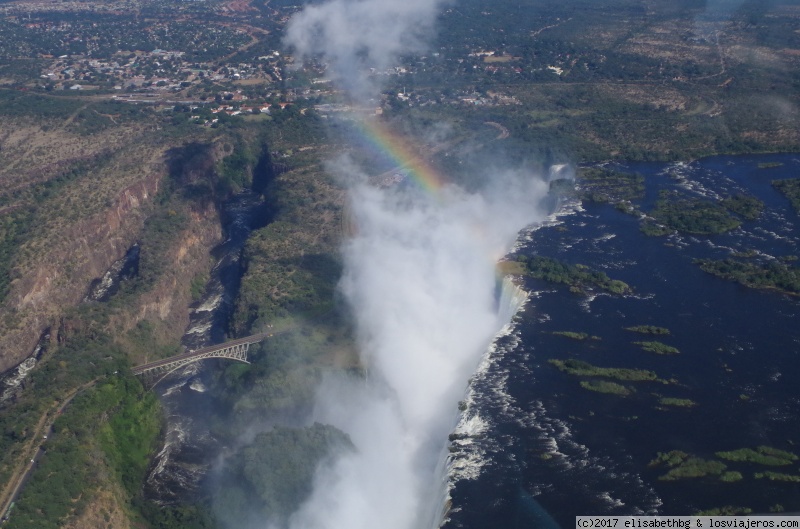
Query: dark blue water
[[554, 450]]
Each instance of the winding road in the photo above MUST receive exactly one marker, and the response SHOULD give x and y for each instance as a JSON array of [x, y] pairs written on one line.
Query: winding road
[[33, 450]]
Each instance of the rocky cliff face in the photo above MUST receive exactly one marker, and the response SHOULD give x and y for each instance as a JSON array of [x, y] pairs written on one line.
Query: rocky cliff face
[[61, 275], [105, 509], [62, 270], [166, 304]]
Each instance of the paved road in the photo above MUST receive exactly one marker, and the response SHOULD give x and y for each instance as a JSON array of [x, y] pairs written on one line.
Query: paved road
[[34, 451], [44, 429]]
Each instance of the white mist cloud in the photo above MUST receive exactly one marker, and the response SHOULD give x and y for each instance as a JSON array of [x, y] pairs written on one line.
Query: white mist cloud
[[715, 17], [355, 35], [420, 277]]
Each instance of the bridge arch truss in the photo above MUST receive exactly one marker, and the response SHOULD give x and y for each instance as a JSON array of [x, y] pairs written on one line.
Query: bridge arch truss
[[154, 372]]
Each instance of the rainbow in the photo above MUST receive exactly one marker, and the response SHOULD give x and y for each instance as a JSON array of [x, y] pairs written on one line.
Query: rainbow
[[402, 154]]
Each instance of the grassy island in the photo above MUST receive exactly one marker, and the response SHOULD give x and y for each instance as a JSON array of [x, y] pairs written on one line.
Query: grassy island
[[580, 336], [657, 348], [789, 188], [682, 466], [745, 206], [694, 467], [648, 329], [585, 369], [604, 386], [670, 459], [762, 455], [579, 277], [688, 215], [597, 184], [777, 476], [677, 403], [768, 275]]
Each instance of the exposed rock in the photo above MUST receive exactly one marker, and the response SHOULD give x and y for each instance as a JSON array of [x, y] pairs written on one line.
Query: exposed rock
[[85, 250], [105, 510]]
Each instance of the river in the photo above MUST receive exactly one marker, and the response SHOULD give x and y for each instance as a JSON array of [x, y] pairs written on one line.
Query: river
[[189, 446], [549, 450]]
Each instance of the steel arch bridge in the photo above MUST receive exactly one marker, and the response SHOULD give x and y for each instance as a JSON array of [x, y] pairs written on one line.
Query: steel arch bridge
[[154, 372]]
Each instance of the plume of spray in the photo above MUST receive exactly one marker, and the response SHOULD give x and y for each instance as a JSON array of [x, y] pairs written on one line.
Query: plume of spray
[[715, 16], [420, 277], [355, 36]]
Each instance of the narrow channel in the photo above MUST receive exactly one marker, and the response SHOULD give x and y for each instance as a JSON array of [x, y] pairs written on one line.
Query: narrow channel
[[189, 445]]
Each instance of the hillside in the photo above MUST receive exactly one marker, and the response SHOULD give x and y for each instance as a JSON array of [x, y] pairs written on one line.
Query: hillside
[[131, 123]]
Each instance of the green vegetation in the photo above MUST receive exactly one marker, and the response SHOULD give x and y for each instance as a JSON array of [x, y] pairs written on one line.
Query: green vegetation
[[745, 206], [274, 474], [731, 476], [762, 455], [129, 437], [694, 467], [658, 348], [281, 380], [688, 215], [773, 275], [181, 516], [790, 189], [683, 466], [69, 474], [585, 369], [648, 329], [678, 403], [16, 103], [292, 264], [22, 209], [580, 336], [579, 277], [236, 168], [654, 229], [198, 285], [75, 363], [600, 105], [604, 386], [602, 102], [777, 476], [296, 286], [13, 230], [105, 438], [672, 458], [769, 165], [598, 184]]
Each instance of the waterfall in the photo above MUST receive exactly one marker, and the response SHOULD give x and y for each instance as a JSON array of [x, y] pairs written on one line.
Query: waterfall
[[456, 460], [512, 298]]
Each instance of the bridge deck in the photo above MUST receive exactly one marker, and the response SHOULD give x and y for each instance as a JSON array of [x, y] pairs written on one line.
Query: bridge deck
[[199, 352]]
